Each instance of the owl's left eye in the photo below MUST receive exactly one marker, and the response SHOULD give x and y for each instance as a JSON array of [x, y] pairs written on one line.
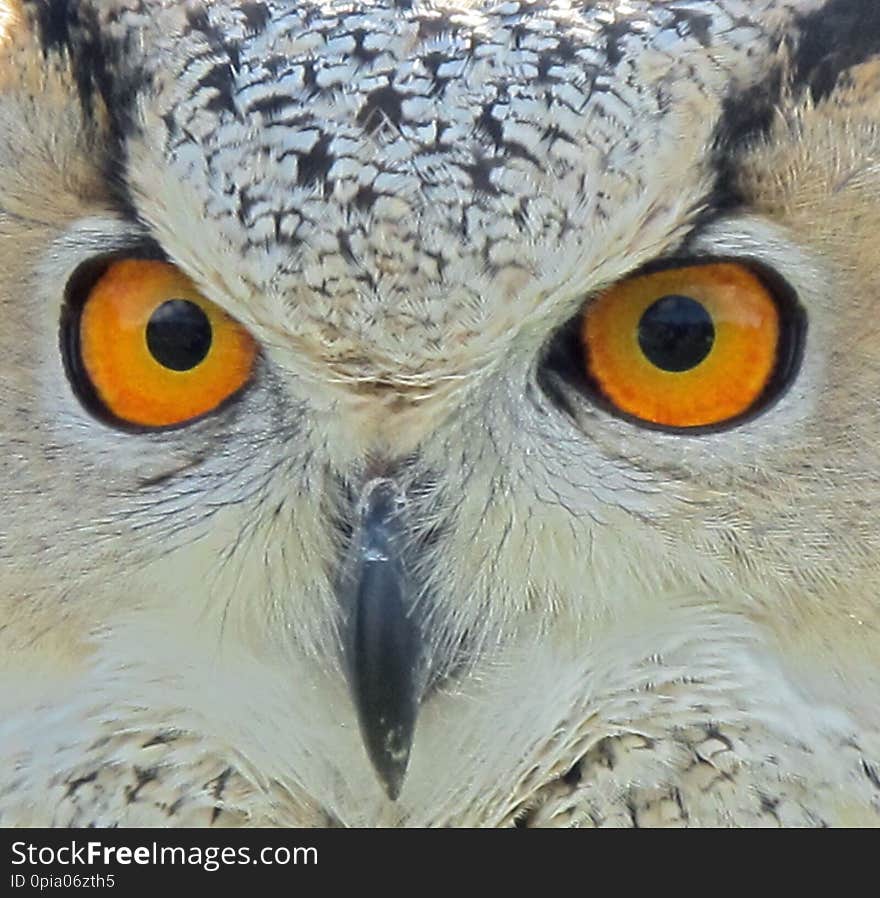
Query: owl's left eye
[[689, 346], [152, 350]]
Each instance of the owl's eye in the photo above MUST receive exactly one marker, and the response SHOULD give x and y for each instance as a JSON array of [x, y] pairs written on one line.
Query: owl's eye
[[152, 350], [692, 346]]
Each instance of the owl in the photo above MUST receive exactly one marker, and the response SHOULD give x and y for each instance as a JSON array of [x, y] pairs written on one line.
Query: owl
[[440, 413]]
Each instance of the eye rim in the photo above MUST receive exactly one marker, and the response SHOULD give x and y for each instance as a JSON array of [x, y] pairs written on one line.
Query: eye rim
[[76, 293], [562, 364]]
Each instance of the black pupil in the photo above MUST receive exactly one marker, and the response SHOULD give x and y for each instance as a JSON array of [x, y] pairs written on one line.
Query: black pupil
[[179, 334], [676, 333]]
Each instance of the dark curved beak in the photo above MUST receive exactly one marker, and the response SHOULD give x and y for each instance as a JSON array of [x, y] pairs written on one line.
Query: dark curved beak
[[383, 645]]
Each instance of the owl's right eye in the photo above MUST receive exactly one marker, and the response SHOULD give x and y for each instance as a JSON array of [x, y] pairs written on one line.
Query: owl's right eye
[[152, 350]]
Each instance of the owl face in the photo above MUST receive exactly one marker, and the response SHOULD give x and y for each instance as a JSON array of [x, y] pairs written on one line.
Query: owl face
[[399, 402]]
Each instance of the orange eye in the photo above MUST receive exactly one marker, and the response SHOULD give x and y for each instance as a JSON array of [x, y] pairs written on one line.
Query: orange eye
[[154, 350], [686, 347]]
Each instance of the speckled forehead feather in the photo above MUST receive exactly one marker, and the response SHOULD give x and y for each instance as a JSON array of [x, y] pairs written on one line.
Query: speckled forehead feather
[[432, 174]]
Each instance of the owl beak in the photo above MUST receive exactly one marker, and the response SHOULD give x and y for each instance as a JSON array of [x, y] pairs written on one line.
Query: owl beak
[[383, 645]]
